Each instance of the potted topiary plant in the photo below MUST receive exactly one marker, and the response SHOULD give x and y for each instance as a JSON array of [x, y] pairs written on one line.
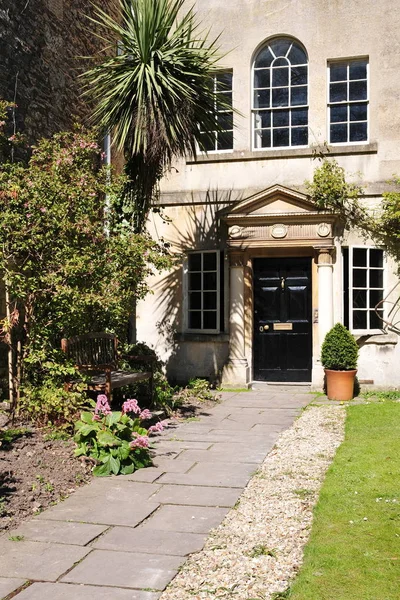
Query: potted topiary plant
[[339, 354]]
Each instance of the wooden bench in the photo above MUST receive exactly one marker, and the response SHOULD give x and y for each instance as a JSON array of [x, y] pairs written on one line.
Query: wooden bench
[[97, 353]]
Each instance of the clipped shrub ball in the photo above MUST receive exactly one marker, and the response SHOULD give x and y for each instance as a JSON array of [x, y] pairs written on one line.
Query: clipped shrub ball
[[339, 351]]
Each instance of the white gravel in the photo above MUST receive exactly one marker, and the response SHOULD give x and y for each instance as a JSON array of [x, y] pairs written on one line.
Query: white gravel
[[258, 548]]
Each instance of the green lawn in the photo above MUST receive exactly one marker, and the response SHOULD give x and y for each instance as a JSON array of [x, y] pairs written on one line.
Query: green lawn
[[354, 549]]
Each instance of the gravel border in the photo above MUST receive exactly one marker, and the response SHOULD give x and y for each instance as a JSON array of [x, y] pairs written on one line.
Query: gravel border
[[258, 548]]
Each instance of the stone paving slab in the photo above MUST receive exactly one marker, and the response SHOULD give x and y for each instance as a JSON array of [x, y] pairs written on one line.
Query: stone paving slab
[[229, 453], [125, 570], [8, 585], [197, 495], [151, 541], [185, 519], [148, 475], [37, 560], [234, 475], [100, 511], [68, 591], [174, 465], [78, 534]]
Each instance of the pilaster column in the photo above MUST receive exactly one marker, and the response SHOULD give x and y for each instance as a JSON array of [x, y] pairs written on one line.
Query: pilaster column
[[236, 370], [325, 292]]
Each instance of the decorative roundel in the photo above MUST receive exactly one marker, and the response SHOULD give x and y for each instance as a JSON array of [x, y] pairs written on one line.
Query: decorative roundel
[[279, 231], [323, 230], [235, 231]]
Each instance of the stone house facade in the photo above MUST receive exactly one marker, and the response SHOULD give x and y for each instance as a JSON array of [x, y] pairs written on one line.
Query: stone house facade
[[262, 276]]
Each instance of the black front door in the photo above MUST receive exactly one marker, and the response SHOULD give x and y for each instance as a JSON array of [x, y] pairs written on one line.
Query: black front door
[[282, 346]]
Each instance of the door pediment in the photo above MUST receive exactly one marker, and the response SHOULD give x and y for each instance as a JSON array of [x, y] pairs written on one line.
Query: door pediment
[[278, 216]]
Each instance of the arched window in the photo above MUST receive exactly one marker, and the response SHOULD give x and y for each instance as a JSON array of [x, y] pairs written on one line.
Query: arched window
[[280, 95]]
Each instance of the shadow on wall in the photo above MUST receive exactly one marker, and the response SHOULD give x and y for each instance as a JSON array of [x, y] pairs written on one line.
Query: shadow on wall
[[197, 228]]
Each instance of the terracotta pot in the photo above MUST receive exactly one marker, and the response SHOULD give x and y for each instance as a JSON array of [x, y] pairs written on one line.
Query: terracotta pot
[[340, 384]]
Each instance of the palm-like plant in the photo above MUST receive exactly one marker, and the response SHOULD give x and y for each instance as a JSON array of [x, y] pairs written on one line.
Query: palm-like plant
[[155, 94]]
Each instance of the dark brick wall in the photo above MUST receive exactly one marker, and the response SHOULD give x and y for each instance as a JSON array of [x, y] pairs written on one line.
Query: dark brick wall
[[40, 45]]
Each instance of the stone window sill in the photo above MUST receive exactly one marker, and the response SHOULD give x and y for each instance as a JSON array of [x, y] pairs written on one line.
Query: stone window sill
[[204, 338], [345, 149]]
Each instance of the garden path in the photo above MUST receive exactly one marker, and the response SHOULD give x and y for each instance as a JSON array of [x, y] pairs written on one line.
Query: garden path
[[125, 538]]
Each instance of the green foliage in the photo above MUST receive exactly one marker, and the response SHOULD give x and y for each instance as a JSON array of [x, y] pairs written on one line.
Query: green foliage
[[329, 190], [165, 395], [108, 440], [200, 388], [155, 94], [382, 396], [339, 350], [8, 436], [48, 404]]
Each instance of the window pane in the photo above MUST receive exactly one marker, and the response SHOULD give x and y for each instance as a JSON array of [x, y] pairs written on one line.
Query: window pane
[[195, 262], [360, 257], [207, 141], [360, 299], [300, 116], [281, 118], [299, 136], [210, 300], [376, 278], [338, 92], [298, 75], [280, 97], [210, 261], [225, 140], [224, 100], [358, 90], [194, 320], [280, 77], [280, 137], [299, 95], [264, 58], [375, 296], [263, 119], [358, 132], [338, 72], [358, 112], [224, 81], [376, 258], [195, 281], [338, 133], [360, 319], [358, 70], [359, 278], [338, 114], [210, 320], [280, 47], [297, 56], [210, 281], [195, 300], [374, 321], [262, 138], [225, 120], [262, 99], [262, 79]]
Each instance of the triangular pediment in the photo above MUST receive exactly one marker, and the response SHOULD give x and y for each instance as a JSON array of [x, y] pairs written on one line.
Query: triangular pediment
[[276, 200]]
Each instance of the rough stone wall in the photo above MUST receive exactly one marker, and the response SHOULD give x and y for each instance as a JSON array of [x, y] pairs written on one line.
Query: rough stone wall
[[40, 45]]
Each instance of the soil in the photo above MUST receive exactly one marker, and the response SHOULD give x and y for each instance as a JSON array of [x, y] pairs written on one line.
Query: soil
[[36, 473]]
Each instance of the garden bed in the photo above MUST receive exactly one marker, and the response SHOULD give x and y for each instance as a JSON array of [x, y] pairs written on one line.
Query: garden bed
[[36, 472]]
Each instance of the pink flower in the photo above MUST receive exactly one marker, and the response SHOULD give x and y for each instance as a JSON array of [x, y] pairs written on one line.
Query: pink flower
[[43, 209], [158, 427], [141, 441], [102, 405], [145, 415], [131, 406], [96, 418]]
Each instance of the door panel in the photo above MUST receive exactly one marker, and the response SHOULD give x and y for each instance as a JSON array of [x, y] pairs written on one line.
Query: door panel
[[282, 346]]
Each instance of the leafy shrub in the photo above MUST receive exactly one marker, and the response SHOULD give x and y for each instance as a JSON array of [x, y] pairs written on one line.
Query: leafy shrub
[[196, 388], [339, 351], [51, 404], [116, 440]]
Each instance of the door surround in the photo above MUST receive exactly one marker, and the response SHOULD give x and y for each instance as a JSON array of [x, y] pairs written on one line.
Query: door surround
[[278, 222]]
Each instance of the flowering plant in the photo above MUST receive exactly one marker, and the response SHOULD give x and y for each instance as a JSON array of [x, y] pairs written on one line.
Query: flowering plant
[[116, 440]]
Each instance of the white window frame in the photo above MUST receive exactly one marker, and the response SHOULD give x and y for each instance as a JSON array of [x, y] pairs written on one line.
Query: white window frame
[[367, 331], [215, 133], [347, 62], [187, 292], [290, 108]]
